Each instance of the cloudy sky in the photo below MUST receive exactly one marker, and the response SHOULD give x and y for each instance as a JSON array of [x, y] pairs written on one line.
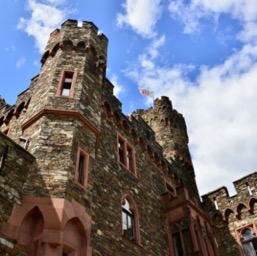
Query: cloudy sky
[[200, 53]]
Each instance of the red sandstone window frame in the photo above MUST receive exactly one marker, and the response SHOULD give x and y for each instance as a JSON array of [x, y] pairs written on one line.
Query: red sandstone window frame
[[82, 166], [241, 230], [68, 85], [170, 188], [126, 154], [133, 212]]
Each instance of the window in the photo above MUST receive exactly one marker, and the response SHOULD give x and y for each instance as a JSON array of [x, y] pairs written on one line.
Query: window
[[3, 156], [126, 154], [170, 189], [249, 241], [81, 173], [182, 244], [66, 84], [128, 221], [130, 224]]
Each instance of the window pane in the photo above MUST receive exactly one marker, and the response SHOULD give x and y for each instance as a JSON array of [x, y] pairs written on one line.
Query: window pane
[[187, 241], [248, 250], [178, 250], [128, 223], [121, 151], [65, 92], [67, 83]]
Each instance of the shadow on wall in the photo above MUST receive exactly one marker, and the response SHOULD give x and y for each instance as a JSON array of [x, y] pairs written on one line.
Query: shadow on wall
[[30, 221]]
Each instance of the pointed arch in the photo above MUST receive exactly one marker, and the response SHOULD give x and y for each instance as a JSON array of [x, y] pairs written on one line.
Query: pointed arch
[[130, 219], [74, 237], [31, 227]]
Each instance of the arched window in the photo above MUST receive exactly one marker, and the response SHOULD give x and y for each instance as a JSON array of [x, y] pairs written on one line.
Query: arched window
[[249, 241], [130, 224]]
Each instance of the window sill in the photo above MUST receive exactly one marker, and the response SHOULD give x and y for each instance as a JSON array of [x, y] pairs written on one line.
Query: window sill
[[131, 172], [133, 242]]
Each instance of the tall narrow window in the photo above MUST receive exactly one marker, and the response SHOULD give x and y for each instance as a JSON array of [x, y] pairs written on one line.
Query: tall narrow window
[[81, 173], [130, 224], [249, 243], [126, 154], [181, 238], [128, 221], [3, 156], [66, 84], [249, 189], [215, 203]]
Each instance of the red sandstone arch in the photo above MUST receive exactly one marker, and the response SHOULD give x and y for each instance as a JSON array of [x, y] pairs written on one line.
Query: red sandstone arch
[[30, 230], [48, 222], [74, 237]]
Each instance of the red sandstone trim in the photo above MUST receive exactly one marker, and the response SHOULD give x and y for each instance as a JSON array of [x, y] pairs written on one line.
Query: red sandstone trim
[[85, 155], [61, 81], [63, 112], [134, 210]]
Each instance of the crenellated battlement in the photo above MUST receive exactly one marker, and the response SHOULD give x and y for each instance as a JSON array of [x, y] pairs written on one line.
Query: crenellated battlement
[[220, 200], [171, 133], [81, 39]]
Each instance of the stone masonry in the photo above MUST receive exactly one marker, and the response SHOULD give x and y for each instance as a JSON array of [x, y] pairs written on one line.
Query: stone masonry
[[64, 176]]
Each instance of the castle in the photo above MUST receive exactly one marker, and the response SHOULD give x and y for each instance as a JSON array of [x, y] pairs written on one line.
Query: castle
[[78, 177]]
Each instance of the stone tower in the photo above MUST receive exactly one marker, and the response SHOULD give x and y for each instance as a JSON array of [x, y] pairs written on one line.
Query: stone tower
[[171, 133], [60, 117], [78, 177]]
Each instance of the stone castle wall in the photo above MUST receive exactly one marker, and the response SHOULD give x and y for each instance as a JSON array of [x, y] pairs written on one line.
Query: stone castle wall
[[233, 214]]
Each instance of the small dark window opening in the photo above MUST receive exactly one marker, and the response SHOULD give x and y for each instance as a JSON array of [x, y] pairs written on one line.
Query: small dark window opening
[[178, 249], [81, 169], [3, 157]]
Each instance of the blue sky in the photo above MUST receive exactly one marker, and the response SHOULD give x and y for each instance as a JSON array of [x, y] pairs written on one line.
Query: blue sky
[[200, 53]]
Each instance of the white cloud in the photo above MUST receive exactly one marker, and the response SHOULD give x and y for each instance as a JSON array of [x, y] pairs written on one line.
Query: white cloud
[[219, 108], [118, 88], [141, 16], [192, 14], [45, 17], [20, 63]]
